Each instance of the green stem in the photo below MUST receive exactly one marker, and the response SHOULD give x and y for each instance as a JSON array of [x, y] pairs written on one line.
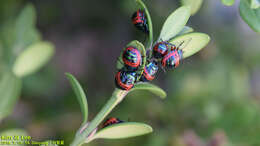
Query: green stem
[[117, 96], [150, 25]]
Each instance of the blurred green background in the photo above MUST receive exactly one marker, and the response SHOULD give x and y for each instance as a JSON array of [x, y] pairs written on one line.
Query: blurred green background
[[213, 97]]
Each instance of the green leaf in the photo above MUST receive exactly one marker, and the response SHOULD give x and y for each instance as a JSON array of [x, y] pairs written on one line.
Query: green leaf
[[13, 133], [18, 34], [255, 4], [10, 87], [194, 42], [149, 20], [228, 2], [150, 87], [26, 33], [175, 23], [82, 99], [119, 63], [186, 29], [140, 47], [250, 16], [7, 41], [1, 52], [123, 130], [33, 58], [194, 4]]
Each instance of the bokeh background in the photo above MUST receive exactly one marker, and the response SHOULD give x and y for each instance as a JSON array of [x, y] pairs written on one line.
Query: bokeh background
[[213, 97]]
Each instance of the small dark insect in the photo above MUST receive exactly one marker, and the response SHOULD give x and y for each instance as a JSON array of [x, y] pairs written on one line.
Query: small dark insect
[[140, 21], [125, 79], [149, 71], [111, 121]]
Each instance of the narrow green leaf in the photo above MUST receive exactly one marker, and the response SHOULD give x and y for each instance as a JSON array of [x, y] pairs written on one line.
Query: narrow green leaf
[[26, 18], [33, 58], [194, 4], [10, 87], [250, 16], [175, 23], [186, 29], [228, 2], [149, 20], [13, 133], [150, 87], [123, 130], [255, 4], [7, 41], [195, 42], [26, 33], [78, 90]]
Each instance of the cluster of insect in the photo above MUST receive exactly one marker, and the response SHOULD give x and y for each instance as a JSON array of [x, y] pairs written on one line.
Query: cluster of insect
[[164, 54]]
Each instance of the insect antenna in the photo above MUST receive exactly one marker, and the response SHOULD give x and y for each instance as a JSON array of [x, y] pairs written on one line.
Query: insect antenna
[[185, 43]]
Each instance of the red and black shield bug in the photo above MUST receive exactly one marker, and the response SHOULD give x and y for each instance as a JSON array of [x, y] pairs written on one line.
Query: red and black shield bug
[[111, 121], [149, 71], [140, 21], [172, 59], [160, 49], [175, 54], [125, 80], [132, 58]]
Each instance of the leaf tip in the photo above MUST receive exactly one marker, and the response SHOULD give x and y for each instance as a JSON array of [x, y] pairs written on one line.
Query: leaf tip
[[186, 7], [150, 129], [164, 95], [67, 74]]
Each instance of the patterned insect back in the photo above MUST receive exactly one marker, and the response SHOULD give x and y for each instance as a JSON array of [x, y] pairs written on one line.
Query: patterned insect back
[[132, 58], [160, 50], [125, 80], [111, 121], [172, 59], [149, 71], [140, 21]]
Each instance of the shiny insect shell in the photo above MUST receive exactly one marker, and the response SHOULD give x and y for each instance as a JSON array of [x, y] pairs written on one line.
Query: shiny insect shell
[[125, 80], [172, 59], [160, 49], [140, 21], [149, 71], [132, 58], [111, 121]]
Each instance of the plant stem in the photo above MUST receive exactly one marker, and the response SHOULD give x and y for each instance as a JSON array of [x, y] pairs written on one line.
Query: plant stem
[[150, 25], [117, 96]]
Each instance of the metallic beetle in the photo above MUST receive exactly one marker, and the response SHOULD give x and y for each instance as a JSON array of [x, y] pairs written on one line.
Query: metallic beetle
[[140, 21], [132, 58], [125, 79], [149, 71], [172, 59]]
